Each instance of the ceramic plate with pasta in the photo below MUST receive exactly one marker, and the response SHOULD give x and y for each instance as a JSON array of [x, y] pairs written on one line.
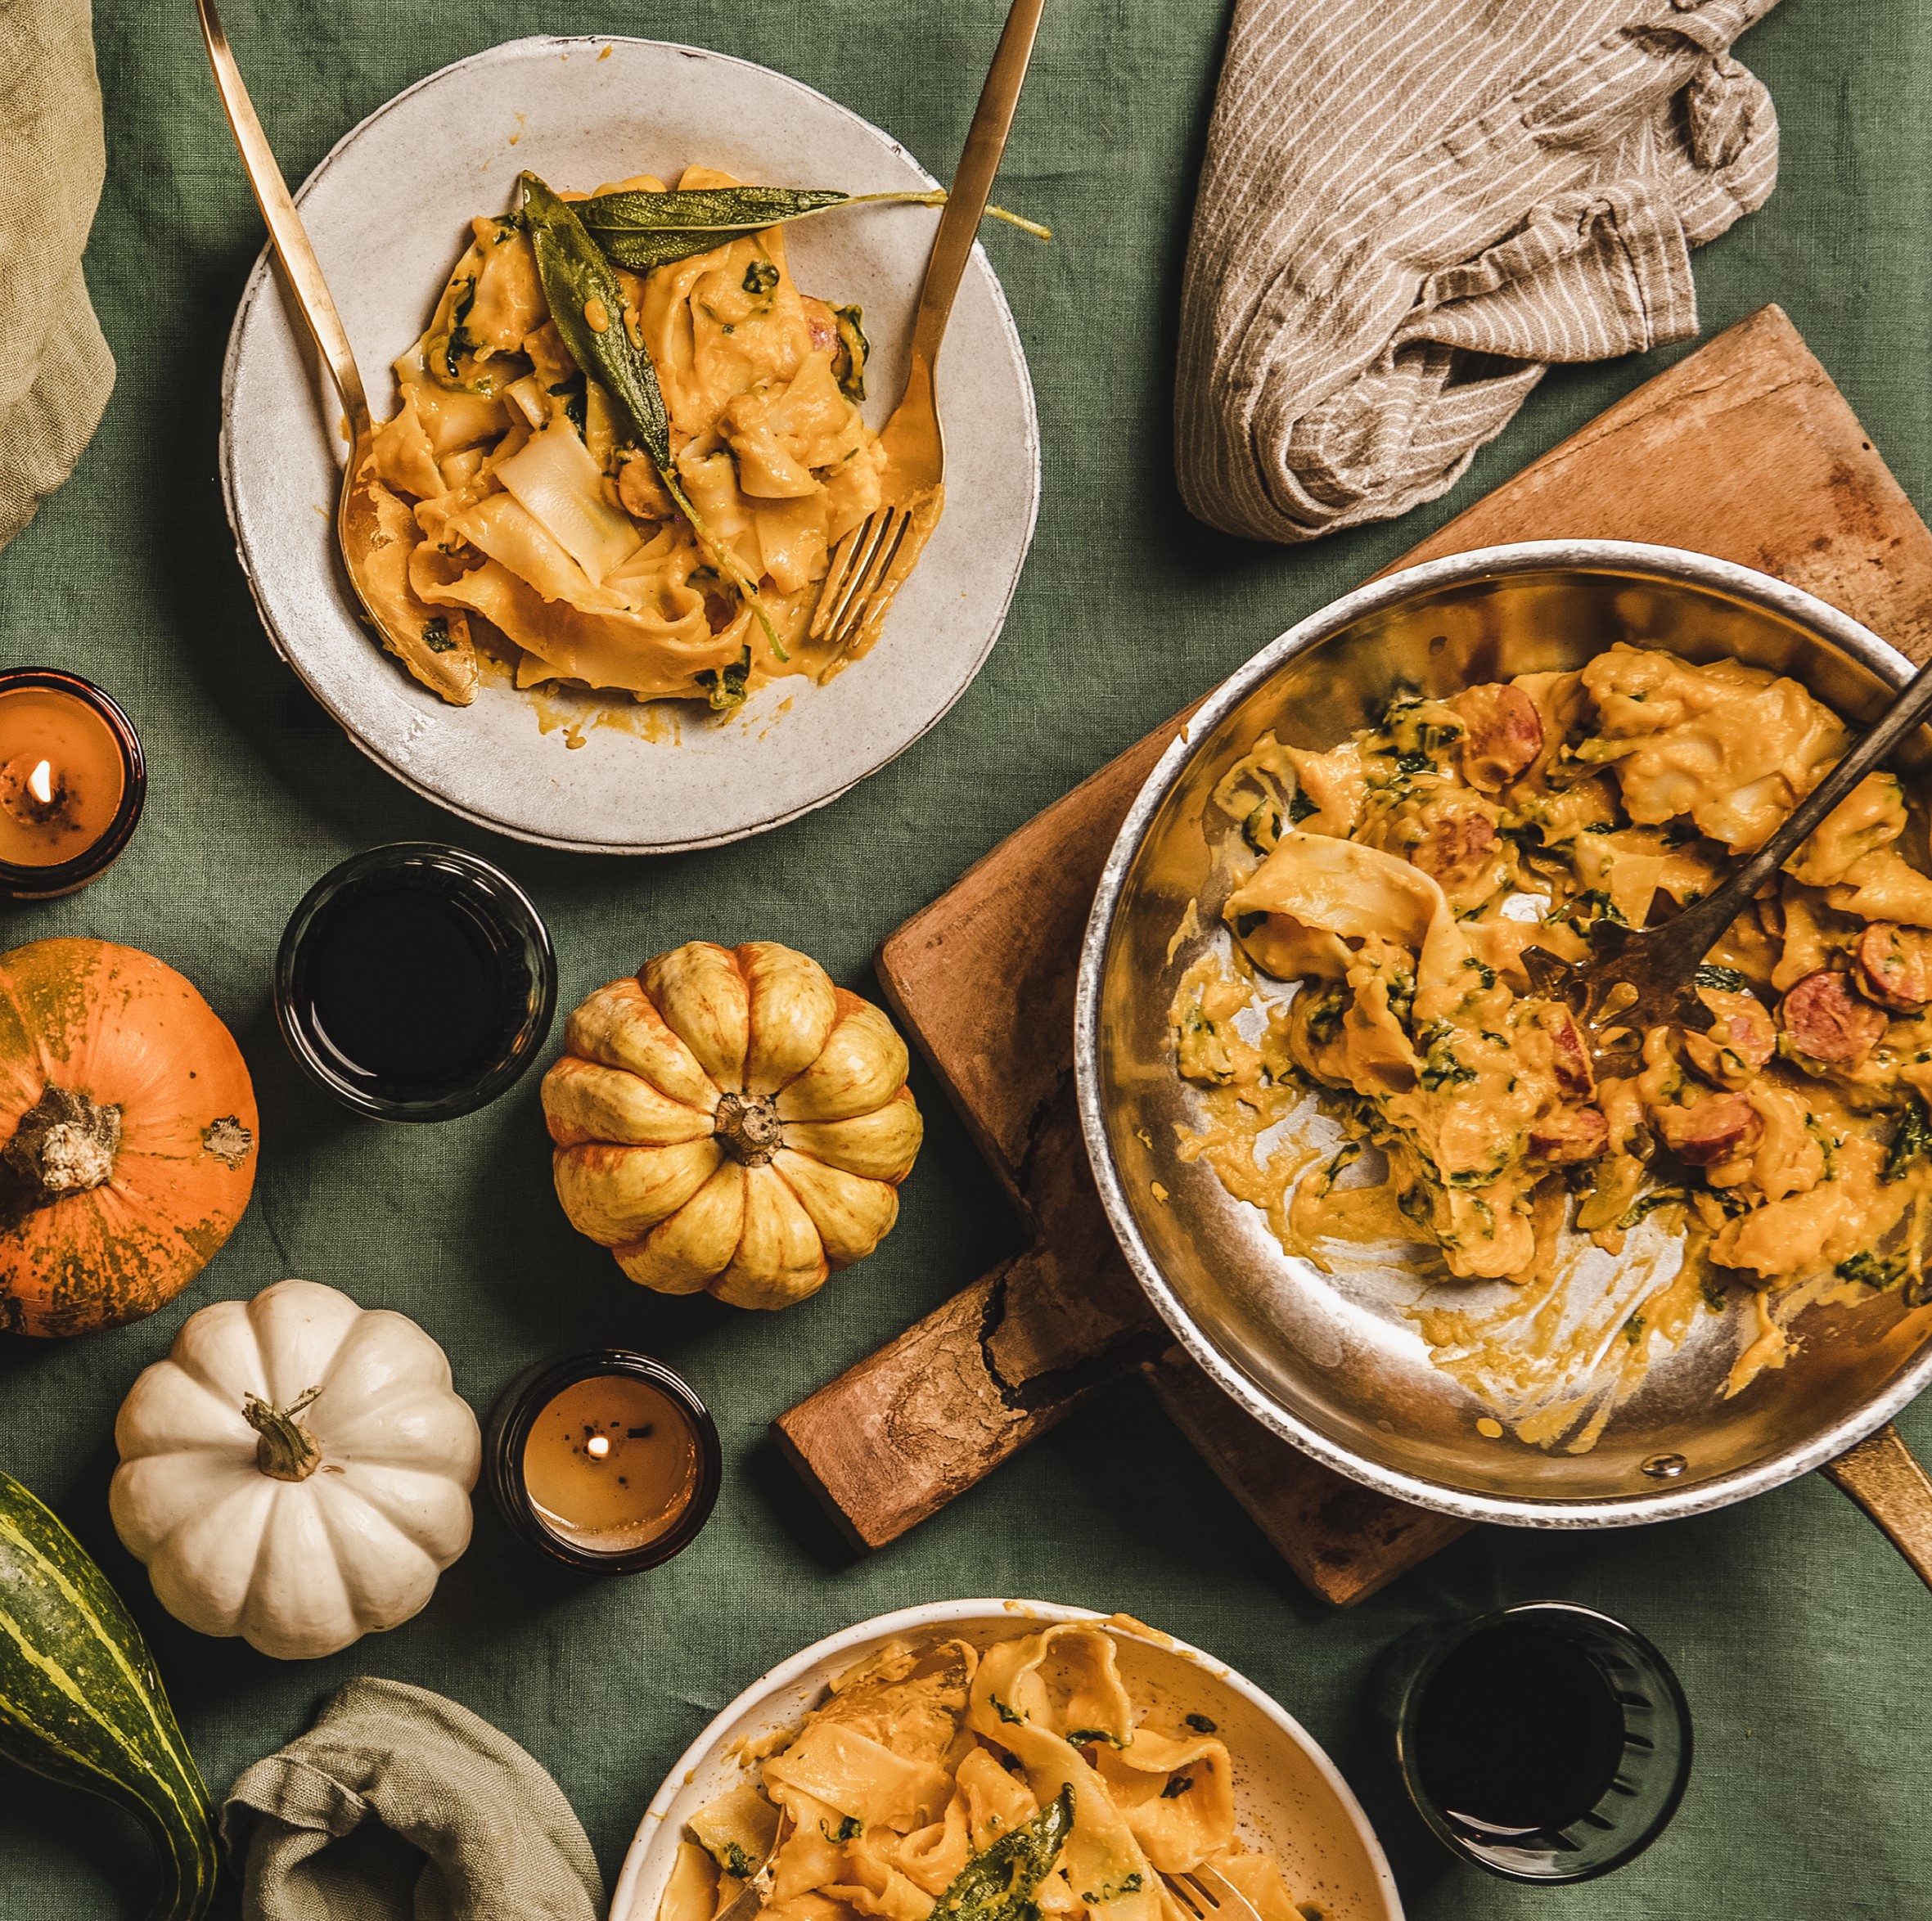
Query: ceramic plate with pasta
[[989, 1761], [601, 598]]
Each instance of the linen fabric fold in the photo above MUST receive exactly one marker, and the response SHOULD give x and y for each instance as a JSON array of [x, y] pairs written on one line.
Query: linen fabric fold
[[56, 372], [401, 1806], [1410, 208]]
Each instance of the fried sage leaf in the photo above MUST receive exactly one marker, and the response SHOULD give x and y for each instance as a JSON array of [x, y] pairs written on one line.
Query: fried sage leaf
[[998, 1884], [641, 231], [587, 305]]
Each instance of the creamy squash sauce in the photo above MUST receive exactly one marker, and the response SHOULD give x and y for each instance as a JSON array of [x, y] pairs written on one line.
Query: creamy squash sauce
[[503, 514], [977, 1785], [1576, 1221]]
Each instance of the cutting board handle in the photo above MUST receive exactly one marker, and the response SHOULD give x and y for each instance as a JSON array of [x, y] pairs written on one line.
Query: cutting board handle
[[1884, 1477]]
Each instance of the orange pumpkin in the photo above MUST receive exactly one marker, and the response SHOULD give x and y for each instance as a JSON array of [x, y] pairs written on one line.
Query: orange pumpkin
[[129, 1124]]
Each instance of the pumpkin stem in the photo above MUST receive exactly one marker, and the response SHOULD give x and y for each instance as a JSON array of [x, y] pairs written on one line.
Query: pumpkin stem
[[286, 1451], [65, 1143], [747, 1128]]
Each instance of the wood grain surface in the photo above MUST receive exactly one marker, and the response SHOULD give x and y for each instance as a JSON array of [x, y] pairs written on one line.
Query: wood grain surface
[[1744, 450]]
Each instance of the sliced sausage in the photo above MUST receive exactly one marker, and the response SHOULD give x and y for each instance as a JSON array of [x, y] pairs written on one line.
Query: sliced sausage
[[821, 323], [1828, 1023], [1569, 1058], [1741, 1024], [1711, 1130], [1751, 1037], [1895, 966], [1570, 1134], [1505, 733], [1456, 847]]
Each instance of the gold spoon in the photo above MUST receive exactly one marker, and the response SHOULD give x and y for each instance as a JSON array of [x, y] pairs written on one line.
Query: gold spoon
[[373, 528]]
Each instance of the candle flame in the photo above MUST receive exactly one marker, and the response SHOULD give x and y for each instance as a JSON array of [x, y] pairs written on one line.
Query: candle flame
[[596, 1447], [40, 783]]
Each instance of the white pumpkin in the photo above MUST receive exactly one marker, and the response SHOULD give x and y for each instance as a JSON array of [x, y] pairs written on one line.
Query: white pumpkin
[[297, 1471]]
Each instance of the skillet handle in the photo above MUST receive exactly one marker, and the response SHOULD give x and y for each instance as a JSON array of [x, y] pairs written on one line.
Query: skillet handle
[[1882, 1475]]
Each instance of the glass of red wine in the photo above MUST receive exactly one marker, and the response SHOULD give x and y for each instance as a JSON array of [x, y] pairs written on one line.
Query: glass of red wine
[[415, 982], [1545, 1743]]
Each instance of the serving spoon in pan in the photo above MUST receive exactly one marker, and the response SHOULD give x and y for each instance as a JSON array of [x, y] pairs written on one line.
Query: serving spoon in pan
[[421, 643], [1639, 979]]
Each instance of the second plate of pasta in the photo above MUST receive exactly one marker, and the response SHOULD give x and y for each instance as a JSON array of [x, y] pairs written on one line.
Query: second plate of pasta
[[585, 661], [968, 1760]]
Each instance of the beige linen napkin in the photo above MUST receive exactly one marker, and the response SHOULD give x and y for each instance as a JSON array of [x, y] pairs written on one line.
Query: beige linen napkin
[[400, 1806], [56, 372], [1411, 207]]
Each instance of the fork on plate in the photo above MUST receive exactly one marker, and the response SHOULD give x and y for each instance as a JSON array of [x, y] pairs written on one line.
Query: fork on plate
[[870, 564], [1207, 1895], [757, 1891]]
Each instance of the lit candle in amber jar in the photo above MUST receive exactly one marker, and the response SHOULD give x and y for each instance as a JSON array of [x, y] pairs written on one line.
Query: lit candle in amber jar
[[611, 1463], [608, 1461], [72, 782]]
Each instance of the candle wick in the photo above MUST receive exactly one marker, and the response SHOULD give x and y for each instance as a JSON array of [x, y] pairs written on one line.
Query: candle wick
[[40, 783], [596, 1447]]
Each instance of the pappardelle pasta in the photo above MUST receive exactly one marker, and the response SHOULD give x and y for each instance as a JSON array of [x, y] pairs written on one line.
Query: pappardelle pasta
[[1397, 881], [504, 506], [993, 1785]]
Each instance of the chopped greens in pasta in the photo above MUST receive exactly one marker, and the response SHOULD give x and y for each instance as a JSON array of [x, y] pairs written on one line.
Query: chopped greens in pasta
[[506, 509], [1397, 880], [951, 1784]]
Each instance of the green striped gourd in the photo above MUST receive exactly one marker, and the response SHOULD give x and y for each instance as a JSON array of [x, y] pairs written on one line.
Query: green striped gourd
[[80, 1701]]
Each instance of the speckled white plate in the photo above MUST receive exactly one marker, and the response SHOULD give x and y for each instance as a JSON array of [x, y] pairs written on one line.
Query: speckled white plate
[[1289, 1798], [387, 211]]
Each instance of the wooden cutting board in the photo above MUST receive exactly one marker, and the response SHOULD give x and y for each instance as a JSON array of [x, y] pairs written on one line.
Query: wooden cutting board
[[1744, 450]]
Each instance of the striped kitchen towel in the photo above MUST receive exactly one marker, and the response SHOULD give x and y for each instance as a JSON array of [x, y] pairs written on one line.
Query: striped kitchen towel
[[1410, 208]]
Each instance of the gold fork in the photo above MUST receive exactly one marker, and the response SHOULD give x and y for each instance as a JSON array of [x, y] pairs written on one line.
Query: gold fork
[[752, 1898], [1205, 1894], [870, 564]]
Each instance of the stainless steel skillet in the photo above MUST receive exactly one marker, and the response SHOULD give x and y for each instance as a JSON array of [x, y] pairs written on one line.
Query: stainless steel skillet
[[1335, 1363]]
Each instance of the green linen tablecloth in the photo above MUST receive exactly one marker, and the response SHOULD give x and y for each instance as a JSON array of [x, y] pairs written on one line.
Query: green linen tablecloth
[[1805, 1645]]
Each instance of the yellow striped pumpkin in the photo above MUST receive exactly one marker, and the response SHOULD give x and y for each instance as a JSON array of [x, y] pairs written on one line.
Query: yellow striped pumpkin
[[80, 1701], [729, 1120]]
